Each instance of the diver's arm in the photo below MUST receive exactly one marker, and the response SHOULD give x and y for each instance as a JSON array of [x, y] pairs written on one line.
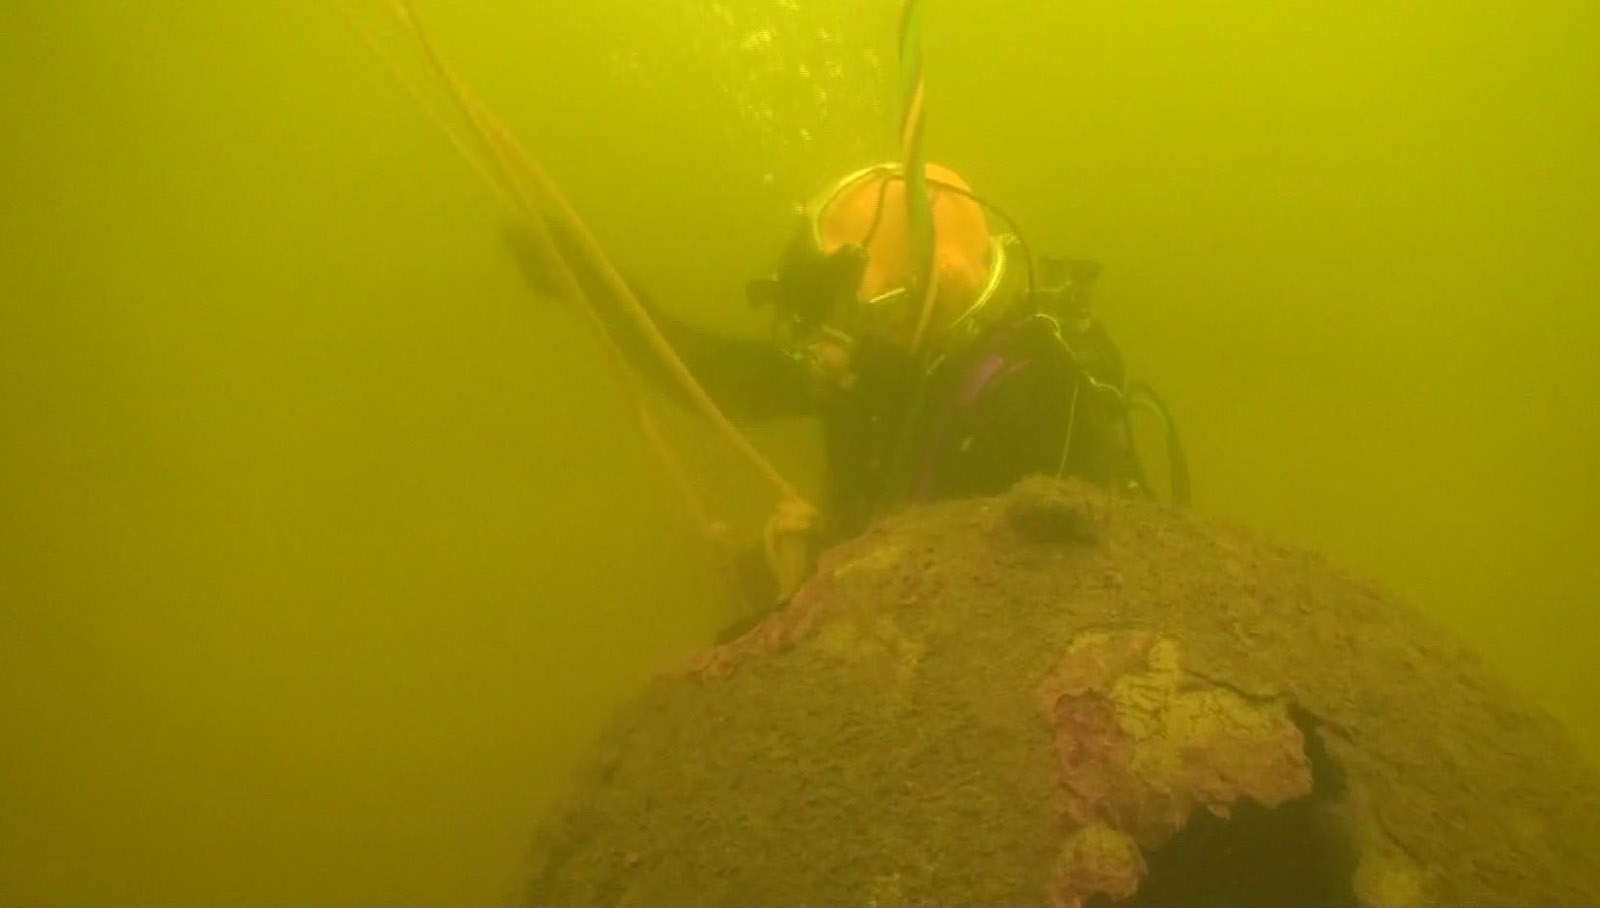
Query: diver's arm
[[748, 379]]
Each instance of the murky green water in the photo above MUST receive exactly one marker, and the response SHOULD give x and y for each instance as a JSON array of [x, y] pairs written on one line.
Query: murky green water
[[324, 547]]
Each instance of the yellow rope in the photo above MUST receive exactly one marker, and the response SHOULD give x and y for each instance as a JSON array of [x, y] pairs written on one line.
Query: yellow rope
[[518, 176]]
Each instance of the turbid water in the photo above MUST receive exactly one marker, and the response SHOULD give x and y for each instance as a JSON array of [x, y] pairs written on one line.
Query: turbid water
[[324, 547]]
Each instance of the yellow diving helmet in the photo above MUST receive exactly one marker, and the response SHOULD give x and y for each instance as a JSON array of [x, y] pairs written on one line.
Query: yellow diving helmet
[[847, 272]]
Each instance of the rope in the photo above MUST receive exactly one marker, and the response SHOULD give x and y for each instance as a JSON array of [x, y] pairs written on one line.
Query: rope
[[518, 177], [918, 208]]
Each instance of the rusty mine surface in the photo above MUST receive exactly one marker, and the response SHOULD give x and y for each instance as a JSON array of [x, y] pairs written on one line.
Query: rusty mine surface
[[1060, 697]]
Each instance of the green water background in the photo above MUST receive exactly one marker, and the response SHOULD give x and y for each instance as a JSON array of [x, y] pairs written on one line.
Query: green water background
[[324, 548]]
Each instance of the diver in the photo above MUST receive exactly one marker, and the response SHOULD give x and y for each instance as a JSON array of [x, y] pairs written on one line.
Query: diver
[[1002, 372]]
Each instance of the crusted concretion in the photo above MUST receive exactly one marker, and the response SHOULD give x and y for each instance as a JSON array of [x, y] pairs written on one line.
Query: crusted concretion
[[804, 613], [1096, 860], [1058, 695], [1141, 745]]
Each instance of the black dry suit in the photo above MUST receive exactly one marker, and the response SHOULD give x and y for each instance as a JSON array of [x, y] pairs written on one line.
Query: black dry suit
[[1039, 391]]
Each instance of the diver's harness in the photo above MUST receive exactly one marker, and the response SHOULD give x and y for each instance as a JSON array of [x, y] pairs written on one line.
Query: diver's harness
[[813, 295], [1067, 299]]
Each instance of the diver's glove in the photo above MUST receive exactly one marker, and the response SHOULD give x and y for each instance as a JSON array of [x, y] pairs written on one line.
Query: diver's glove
[[767, 574], [790, 540]]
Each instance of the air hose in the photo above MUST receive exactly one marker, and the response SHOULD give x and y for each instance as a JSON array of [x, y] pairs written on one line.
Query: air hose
[[919, 208], [1139, 396], [919, 213]]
